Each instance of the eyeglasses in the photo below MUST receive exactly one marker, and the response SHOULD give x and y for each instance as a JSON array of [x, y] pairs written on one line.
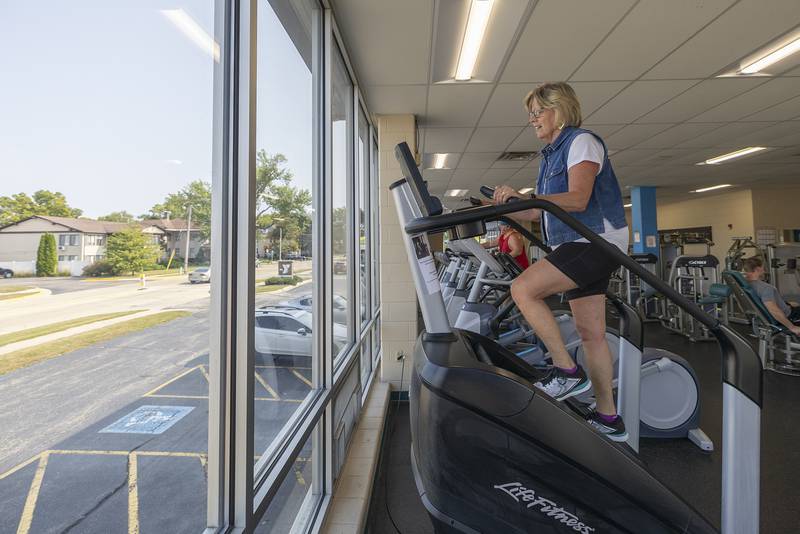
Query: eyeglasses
[[536, 113]]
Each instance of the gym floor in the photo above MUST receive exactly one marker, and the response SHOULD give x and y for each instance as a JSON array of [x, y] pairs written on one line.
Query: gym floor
[[695, 475]]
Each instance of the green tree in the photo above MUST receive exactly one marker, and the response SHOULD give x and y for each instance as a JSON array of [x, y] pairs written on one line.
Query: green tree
[[270, 173], [46, 256], [118, 216], [198, 195], [20, 206], [339, 231], [130, 251], [289, 214]]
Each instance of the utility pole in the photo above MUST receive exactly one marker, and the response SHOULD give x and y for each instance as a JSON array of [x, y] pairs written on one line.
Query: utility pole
[[280, 243], [188, 237]]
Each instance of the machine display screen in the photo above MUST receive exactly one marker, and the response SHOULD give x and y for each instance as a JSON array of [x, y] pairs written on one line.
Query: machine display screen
[[405, 158]]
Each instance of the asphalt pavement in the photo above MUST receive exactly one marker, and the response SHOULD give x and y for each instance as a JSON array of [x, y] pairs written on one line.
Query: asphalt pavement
[[114, 436]]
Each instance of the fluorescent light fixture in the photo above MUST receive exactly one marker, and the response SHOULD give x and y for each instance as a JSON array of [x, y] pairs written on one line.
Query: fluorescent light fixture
[[439, 161], [456, 192], [771, 58], [479, 13], [526, 190], [628, 205], [710, 188], [732, 155], [191, 29]]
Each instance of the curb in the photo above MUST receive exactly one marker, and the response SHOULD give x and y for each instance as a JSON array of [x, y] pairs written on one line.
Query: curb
[[55, 336]]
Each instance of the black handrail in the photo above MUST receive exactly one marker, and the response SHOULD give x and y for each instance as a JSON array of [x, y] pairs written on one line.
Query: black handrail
[[741, 367], [440, 223]]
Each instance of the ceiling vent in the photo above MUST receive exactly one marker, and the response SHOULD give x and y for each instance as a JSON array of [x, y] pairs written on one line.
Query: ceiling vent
[[518, 156]]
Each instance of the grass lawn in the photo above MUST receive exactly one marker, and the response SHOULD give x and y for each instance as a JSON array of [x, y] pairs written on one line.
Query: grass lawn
[[18, 295], [31, 333], [269, 289], [14, 289], [25, 357]]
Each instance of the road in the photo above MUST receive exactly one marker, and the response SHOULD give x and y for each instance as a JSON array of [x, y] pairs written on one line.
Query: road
[[73, 298]]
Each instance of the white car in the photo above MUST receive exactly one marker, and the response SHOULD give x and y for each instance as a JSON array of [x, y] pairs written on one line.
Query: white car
[[305, 301], [286, 331], [201, 274]]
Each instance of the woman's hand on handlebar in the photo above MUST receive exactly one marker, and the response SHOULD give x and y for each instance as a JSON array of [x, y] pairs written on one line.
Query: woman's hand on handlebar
[[503, 193]]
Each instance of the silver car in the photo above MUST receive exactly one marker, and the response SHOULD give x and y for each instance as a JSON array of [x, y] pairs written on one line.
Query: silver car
[[201, 274], [305, 301], [286, 331]]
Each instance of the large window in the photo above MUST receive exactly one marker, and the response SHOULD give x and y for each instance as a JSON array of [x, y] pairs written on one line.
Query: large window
[[364, 265], [294, 309], [106, 130], [341, 260]]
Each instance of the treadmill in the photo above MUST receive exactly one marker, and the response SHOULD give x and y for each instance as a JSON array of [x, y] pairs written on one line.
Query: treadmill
[[492, 454]]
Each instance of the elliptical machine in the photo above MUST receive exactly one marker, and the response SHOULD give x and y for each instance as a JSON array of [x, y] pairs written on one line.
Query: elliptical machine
[[490, 453]]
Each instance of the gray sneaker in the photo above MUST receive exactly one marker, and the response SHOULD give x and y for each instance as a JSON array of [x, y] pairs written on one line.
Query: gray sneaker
[[561, 385], [614, 431]]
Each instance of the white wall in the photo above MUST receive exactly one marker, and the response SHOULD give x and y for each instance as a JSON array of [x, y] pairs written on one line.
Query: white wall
[[729, 215], [398, 295], [777, 208]]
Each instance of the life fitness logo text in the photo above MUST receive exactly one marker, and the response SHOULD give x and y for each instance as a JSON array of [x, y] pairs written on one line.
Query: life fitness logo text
[[520, 493]]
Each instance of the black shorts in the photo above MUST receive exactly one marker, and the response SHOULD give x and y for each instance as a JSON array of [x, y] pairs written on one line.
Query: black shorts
[[586, 265]]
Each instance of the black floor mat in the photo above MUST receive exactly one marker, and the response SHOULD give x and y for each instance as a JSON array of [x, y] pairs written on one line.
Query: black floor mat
[[396, 508]]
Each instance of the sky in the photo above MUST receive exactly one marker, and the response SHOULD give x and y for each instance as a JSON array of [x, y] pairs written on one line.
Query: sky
[[110, 104]]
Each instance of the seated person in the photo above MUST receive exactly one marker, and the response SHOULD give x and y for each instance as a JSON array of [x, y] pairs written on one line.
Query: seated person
[[786, 313], [510, 241]]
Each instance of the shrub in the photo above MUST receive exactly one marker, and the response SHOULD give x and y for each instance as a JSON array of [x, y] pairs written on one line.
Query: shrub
[[46, 256], [24, 274], [63, 273], [98, 268], [282, 281]]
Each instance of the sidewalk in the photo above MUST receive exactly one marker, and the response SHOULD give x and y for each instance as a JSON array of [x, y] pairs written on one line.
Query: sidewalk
[[12, 347]]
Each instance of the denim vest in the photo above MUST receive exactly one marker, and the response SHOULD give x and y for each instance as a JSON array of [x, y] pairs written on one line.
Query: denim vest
[[606, 199]]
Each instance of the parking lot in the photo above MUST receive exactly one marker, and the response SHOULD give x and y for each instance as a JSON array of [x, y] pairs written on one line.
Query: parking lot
[[117, 474]]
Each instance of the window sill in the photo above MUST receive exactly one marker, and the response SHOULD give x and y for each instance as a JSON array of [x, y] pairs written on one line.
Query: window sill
[[349, 507]]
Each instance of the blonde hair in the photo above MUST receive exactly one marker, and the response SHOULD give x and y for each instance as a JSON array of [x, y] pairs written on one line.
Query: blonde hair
[[559, 96]]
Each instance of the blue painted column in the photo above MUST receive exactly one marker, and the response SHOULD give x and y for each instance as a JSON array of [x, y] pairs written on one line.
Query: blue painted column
[[645, 222]]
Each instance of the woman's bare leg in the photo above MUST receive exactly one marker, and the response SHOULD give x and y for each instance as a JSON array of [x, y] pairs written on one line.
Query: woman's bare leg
[[590, 320], [529, 290]]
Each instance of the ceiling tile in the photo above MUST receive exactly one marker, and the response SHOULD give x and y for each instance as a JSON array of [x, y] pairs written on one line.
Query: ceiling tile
[[603, 130], [543, 52], [498, 176], [781, 134], [592, 95], [511, 164], [467, 175], [526, 141], [456, 104], [492, 139], [478, 160], [438, 175], [375, 31], [638, 99], [506, 107], [789, 109], [396, 99], [633, 134], [752, 22], [761, 97], [616, 59], [631, 156], [723, 136], [443, 140], [678, 134], [700, 98]]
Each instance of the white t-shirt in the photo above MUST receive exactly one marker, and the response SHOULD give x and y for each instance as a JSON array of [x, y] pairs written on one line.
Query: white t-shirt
[[586, 147]]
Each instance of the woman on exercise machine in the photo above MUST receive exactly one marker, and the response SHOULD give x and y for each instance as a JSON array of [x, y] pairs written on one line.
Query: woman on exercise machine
[[575, 174], [510, 242]]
